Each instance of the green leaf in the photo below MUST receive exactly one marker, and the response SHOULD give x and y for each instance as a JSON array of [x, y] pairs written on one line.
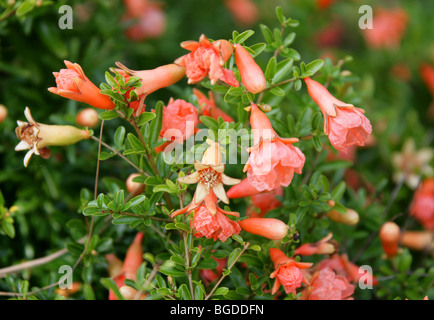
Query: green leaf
[[258, 48], [233, 256], [270, 71], [119, 137], [266, 32], [282, 69], [134, 142], [279, 14], [25, 7], [9, 228], [110, 284], [108, 115], [243, 36], [222, 291], [338, 191], [156, 124], [144, 118], [312, 67]]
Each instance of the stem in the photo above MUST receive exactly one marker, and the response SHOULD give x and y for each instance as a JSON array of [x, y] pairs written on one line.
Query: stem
[[121, 155], [246, 246]]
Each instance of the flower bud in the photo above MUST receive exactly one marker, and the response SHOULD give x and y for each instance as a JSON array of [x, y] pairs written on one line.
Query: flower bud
[[269, 228], [389, 236], [87, 118], [3, 113], [350, 218], [134, 187], [129, 293], [418, 240], [251, 74]]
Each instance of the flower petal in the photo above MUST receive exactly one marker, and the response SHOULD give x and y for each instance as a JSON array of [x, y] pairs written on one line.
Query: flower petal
[[220, 192], [190, 179], [23, 145]]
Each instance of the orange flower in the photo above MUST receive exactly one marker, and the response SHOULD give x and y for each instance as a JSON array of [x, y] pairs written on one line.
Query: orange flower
[[180, 115], [345, 124], [210, 275], [208, 107], [342, 266], [73, 84], [127, 270], [87, 118], [243, 189], [388, 28], [326, 285], [151, 19], [427, 74], [3, 113], [422, 207], [418, 240], [154, 79], [207, 59], [251, 74], [350, 218], [270, 228], [389, 236], [324, 4], [265, 202], [287, 272], [324, 246], [273, 160]]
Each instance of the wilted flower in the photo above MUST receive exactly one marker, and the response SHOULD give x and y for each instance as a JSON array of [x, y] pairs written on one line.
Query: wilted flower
[[251, 74], [273, 160], [207, 106], [324, 246], [73, 84], [411, 163], [150, 19], [287, 272], [207, 59], [326, 285], [37, 136], [422, 207], [344, 124], [388, 27], [209, 175]]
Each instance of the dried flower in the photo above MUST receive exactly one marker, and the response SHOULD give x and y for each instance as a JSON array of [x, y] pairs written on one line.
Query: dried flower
[[37, 136]]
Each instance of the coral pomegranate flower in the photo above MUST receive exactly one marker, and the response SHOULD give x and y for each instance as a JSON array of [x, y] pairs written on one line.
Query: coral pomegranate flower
[[324, 246], [422, 207], [151, 19], [132, 261], [209, 220], [154, 79], [245, 12], [342, 266], [37, 136], [266, 201], [418, 240], [344, 124], [326, 285], [273, 160], [73, 84], [287, 272], [251, 74], [389, 236], [207, 106], [270, 228], [207, 59], [209, 175], [181, 116], [388, 28]]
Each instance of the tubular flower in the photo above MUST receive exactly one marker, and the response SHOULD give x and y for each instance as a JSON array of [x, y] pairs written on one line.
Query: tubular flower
[[154, 79], [344, 124], [210, 275], [273, 160], [207, 59], [388, 28], [151, 20], [208, 107], [350, 218], [127, 270], [326, 285], [265, 202], [37, 136], [389, 236], [287, 272], [209, 175], [418, 240], [73, 84], [251, 74], [324, 246], [422, 207], [269, 228]]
